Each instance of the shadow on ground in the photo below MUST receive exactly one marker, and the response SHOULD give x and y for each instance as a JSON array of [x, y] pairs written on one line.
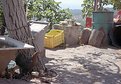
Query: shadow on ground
[[95, 73]]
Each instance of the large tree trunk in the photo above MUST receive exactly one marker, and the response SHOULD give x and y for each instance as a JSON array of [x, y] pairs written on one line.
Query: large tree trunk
[[16, 20], [18, 28]]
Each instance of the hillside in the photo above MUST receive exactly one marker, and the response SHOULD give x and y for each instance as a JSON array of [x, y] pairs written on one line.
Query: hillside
[[77, 15], [76, 11]]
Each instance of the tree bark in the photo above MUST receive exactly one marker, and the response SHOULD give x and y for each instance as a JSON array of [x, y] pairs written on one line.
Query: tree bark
[[16, 20], [18, 28]]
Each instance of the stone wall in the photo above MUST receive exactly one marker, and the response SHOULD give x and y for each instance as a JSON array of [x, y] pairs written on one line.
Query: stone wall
[[71, 31]]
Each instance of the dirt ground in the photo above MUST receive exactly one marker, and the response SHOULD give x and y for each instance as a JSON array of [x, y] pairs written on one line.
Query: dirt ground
[[81, 65], [86, 65]]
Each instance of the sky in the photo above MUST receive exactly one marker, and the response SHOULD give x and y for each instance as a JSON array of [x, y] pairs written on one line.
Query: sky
[[71, 4]]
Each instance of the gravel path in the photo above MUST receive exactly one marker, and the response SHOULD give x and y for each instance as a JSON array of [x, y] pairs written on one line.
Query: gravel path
[[85, 65]]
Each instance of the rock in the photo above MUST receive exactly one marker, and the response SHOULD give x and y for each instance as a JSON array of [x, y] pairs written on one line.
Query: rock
[[35, 74], [96, 37], [70, 22], [58, 26], [85, 34], [64, 23], [71, 35], [77, 24], [12, 64]]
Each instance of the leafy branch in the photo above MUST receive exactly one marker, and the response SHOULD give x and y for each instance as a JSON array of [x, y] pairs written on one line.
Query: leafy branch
[[88, 6], [48, 9]]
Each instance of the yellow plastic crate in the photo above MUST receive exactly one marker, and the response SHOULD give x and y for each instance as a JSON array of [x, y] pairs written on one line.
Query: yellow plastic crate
[[54, 38]]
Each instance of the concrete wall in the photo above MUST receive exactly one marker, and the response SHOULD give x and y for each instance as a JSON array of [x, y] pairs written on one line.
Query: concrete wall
[[71, 34], [38, 30]]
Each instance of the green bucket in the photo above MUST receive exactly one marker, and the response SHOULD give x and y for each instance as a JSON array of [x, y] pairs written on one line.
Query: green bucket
[[103, 20]]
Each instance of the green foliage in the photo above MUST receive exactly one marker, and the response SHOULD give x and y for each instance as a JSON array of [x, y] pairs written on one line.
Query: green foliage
[[40, 9], [48, 9], [116, 3], [88, 6]]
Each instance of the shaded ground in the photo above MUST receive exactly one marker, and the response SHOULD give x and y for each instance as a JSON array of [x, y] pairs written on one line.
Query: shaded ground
[[81, 65], [86, 65]]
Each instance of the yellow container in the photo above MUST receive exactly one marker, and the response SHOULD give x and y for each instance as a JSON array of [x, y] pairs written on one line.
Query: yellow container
[[54, 38]]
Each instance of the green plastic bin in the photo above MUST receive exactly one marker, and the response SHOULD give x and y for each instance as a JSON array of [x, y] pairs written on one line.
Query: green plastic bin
[[103, 20]]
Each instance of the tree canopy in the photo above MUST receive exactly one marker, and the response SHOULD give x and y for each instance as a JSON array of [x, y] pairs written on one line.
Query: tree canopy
[[48, 9], [88, 5], [116, 3], [87, 8], [44, 9]]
